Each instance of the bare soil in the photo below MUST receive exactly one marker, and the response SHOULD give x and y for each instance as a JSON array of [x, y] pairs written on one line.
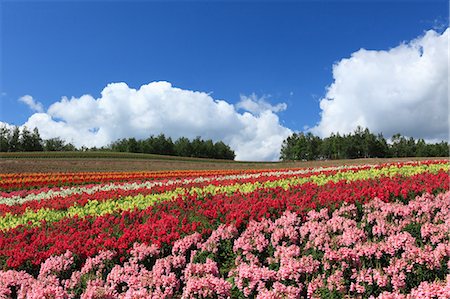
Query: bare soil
[[10, 165]]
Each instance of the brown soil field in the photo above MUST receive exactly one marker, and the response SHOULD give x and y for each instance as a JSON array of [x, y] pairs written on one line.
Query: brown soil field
[[10, 165]]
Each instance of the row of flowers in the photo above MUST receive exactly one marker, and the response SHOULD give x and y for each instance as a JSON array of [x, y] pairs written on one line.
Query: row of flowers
[[19, 181], [374, 250], [22, 196], [92, 230], [22, 181]]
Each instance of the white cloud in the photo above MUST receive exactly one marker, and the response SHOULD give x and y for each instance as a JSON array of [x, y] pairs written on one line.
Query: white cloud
[[257, 105], [31, 103], [404, 89], [158, 107]]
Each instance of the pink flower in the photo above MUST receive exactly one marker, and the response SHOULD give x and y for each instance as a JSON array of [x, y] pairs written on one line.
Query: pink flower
[[180, 247], [56, 265]]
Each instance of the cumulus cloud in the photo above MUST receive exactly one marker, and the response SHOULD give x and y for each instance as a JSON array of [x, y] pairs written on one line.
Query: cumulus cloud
[[32, 103], [158, 107], [401, 90], [257, 105]]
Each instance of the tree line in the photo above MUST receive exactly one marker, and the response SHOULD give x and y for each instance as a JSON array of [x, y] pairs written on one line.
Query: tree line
[[24, 140], [16, 140], [359, 144], [182, 147]]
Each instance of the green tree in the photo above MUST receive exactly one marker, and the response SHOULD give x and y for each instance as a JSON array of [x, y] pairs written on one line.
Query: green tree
[[410, 147], [208, 147], [356, 145], [183, 147], [301, 151], [197, 147], [338, 146], [69, 147], [359, 144], [288, 148], [399, 147], [26, 140], [381, 148], [438, 149], [301, 147], [163, 145], [120, 145], [223, 151], [14, 140], [421, 149], [36, 140], [4, 138], [132, 146], [146, 146], [313, 146], [326, 148], [54, 144]]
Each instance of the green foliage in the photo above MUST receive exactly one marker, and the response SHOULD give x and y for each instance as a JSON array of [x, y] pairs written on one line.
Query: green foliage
[[224, 257], [236, 293], [14, 140], [182, 147], [314, 253], [414, 229], [57, 145], [359, 144], [37, 144], [201, 256], [333, 294], [18, 140], [4, 139], [23, 140], [359, 211], [301, 147], [422, 272], [223, 151]]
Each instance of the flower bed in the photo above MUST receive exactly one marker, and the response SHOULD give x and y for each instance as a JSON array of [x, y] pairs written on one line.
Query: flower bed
[[304, 233], [375, 250]]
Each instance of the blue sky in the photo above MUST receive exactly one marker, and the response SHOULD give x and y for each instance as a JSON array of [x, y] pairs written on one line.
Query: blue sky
[[282, 52]]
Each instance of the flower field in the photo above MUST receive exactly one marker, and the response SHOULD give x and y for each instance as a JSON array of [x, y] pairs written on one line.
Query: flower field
[[372, 231]]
